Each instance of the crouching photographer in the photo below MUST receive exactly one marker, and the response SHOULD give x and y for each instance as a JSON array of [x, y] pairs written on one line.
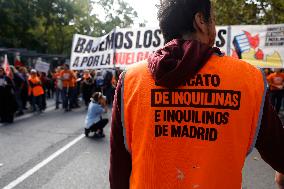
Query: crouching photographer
[[94, 121]]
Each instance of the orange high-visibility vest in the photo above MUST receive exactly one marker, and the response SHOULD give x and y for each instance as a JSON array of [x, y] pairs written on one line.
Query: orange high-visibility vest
[[69, 78], [35, 87], [197, 135]]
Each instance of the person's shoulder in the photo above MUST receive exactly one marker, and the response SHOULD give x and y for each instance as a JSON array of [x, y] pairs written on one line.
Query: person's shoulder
[[237, 64], [137, 68], [96, 105], [232, 60], [91, 105], [271, 75]]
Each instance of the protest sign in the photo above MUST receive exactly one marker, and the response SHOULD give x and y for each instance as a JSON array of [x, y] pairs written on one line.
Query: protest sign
[[222, 34], [92, 53], [136, 45], [119, 48], [261, 46], [123, 47], [42, 67]]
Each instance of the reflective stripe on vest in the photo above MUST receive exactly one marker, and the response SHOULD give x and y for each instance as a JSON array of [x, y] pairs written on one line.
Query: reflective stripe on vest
[[197, 135], [266, 86], [122, 111]]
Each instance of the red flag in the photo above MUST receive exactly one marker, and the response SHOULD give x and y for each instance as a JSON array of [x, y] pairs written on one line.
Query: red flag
[[18, 62], [7, 68]]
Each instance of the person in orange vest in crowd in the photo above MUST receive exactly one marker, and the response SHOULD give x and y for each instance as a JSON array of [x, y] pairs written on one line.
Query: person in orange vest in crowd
[[188, 116], [35, 91], [279, 178], [67, 77], [276, 83]]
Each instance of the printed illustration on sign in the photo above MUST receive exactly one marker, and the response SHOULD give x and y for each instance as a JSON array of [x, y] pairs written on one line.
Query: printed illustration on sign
[[247, 47]]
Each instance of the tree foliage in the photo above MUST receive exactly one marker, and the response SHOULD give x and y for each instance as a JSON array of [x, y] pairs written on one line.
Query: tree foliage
[[48, 25], [238, 12]]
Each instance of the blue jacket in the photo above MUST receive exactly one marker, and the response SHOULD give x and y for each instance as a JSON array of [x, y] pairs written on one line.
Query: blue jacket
[[94, 114]]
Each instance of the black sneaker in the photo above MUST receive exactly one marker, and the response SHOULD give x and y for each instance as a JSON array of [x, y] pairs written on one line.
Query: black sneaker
[[87, 131], [101, 134]]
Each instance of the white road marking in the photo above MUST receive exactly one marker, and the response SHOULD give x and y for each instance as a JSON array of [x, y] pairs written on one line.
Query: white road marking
[[43, 163]]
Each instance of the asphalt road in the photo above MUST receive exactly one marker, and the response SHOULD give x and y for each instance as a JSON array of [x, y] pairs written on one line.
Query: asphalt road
[[28, 159]]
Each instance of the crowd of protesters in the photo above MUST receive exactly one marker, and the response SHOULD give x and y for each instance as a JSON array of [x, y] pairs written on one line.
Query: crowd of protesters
[[17, 88], [26, 90], [70, 85]]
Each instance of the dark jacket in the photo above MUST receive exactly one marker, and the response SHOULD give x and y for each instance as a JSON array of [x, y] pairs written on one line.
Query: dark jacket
[[170, 66], [8, 105]]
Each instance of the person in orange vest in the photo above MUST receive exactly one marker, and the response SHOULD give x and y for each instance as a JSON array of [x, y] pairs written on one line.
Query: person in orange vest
[[35, 91], [188, 116], [67, 77], [276, 83]]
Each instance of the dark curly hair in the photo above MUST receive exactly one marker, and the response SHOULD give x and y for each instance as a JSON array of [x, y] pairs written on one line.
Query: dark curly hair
[[96, 96], [176, 17]]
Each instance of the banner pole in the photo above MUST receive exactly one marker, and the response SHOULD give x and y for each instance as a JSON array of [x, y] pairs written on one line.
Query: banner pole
[[71, 57], [229, 40], [114, 49]]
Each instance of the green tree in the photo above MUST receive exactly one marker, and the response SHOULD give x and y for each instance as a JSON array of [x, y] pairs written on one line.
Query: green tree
[[116, 13], [48, 25], [54, 24], [16, 21], [237, 12], [273, 11]]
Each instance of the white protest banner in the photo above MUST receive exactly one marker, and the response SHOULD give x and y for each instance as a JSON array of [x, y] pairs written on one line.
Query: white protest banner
[[135, 45], [42, 66], [221, 41], [123, 47], [140, 43], [119, 48], [92, 53], [261, 46]]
